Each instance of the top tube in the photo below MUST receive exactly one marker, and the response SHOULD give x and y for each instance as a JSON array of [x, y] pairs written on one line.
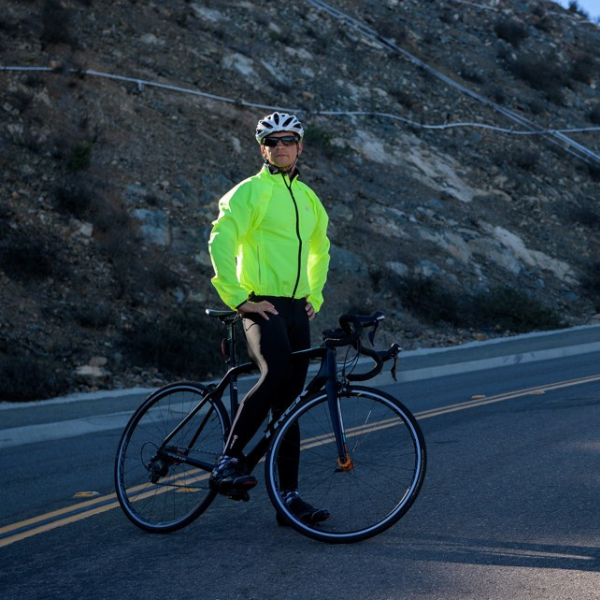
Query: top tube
[[349, 334]]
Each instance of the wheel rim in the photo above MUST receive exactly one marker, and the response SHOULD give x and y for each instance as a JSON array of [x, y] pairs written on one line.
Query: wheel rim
[[156, 491], [388, 462]]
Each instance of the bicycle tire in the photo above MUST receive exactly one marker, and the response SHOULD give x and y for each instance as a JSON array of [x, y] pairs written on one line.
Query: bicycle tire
[[157, 493], [389, 457]]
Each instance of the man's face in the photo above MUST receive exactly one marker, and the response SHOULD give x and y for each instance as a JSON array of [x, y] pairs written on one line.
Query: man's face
[[282, 156]]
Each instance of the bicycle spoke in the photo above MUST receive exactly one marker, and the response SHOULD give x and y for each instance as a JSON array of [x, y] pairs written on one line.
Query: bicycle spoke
[[157, 491], [388, 454]]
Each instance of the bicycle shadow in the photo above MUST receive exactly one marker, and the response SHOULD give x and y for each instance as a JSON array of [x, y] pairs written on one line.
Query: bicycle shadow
[[475, 551]]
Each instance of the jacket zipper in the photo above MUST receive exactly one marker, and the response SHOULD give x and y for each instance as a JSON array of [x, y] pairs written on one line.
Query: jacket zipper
[[289, 187]]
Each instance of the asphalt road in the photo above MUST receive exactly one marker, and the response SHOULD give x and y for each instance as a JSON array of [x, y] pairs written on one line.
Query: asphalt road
[[509, 508]]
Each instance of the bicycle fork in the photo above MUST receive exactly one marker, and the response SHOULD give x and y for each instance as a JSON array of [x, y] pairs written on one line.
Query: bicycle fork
[[344, 460]]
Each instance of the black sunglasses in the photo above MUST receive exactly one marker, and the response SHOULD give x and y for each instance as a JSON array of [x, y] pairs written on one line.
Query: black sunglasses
[[287, 140]]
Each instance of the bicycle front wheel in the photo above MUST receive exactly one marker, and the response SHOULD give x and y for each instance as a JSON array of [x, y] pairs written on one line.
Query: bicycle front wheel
[[375, 488], [158, 491]]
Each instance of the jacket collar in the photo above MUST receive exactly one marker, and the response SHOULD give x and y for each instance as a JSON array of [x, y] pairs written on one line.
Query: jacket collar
[[275, 171]]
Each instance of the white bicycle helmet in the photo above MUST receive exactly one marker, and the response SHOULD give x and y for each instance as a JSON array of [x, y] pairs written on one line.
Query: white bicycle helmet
[[277, 122]]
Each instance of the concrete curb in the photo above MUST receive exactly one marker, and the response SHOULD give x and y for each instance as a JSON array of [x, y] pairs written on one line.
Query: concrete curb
[[427, 362], [496, 353], [79, 414]]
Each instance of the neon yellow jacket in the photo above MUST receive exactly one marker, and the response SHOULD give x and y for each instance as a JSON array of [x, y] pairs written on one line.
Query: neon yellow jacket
[[270, 238]]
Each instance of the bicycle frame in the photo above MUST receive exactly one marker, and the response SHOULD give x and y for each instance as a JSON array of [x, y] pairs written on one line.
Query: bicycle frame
[[326, 377]]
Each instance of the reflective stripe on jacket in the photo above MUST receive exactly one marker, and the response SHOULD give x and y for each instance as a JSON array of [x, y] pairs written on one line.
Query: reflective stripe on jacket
[[270, 239]]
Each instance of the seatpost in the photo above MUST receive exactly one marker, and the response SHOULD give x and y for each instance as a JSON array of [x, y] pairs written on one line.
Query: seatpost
[[232, 361], [231, 343]]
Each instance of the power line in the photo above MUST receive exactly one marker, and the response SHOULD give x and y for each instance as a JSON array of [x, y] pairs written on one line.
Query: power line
[[553, 136], [142, 83]]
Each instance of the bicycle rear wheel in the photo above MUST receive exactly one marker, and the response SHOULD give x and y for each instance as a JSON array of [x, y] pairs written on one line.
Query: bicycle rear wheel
[[387, 450], [158, 492]]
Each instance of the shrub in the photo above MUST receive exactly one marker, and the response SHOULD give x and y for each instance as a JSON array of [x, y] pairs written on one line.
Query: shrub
[[74, 197], [56, 23], [576, 9], [505, 308], [473, 75], [541, 74], [585, 216], [536, 107], [319, 139], [526, 159], [108, 218], [594, 115], [498, 95], [27, 378], [584, 68], [428, 299], [163, 277], [119, 246], [184, 344], [393, 29], [594, 171], [26, 255], [6, 218], [80, 158], [511, 31], [33, 80], [501, 309], [93, 316], [403, 97], [591, 284], [20, 100], [545, 23]]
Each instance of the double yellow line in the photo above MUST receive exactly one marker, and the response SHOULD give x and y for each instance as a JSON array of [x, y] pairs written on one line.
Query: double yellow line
[[477, 401], [65, 516], [52, 520]]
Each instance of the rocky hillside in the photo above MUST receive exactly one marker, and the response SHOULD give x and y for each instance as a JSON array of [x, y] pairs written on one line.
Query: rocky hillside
[[456, 146]]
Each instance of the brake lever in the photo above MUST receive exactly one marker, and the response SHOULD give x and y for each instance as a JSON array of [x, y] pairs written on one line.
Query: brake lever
[[394, 368], [373, 332]]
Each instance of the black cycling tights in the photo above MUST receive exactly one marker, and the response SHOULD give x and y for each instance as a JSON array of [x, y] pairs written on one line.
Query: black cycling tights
[[270, 344]]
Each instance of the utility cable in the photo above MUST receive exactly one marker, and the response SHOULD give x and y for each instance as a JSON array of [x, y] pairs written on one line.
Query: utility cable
[[558, 138], [142, 83]]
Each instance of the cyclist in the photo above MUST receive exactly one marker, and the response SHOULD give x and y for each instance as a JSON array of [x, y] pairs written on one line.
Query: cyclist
[[270, 254]]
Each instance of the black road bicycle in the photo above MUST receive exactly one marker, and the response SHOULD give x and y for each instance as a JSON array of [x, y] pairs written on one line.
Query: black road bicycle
[[363, 454]]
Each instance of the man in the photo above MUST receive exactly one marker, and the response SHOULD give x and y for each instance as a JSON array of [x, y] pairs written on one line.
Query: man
[[270, 254]]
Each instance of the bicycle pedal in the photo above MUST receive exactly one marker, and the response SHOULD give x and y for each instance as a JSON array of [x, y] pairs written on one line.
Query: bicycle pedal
[[238, 495]]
